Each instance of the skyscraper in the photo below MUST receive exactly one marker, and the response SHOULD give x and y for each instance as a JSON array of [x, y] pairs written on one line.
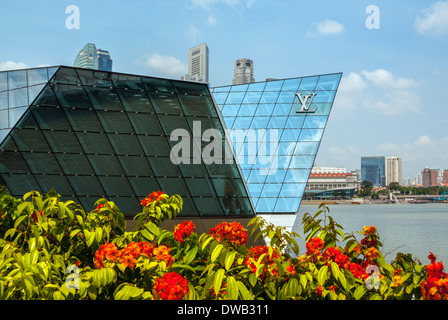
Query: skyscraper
[[91, 58], [373, 170], [198, 58], [393, 170], [86, 57], [104, 62], [243, 71]]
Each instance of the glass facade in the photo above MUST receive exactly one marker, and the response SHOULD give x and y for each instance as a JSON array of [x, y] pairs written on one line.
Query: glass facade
[[373, 169], [275, 129], [91, 134]]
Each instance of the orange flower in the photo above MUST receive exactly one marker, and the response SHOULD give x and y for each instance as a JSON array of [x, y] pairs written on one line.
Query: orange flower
[[153, 197], [107, 253], [171, 286], [319, 290], [270, 267], [369, 230], [435, 287], [371, 254], [232, 232], [162, 253], [183, 230], [314, 246]]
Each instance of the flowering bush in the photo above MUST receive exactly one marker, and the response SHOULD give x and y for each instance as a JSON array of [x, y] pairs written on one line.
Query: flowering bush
[[50, 249]]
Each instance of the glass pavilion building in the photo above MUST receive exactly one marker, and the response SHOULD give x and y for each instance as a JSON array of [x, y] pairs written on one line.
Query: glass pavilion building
[[92, 134]]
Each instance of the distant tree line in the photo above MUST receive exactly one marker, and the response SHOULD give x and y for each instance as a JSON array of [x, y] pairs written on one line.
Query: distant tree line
[[366, 190]]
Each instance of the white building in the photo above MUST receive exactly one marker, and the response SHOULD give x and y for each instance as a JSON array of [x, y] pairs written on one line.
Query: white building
[[243, 71], [198, 64], [393, 170], [328, 178]]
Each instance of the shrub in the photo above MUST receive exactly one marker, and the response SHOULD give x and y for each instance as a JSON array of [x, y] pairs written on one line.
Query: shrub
[[54, 249]]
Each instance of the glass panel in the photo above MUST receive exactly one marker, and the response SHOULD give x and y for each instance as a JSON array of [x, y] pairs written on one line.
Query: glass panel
[[193, 170], [208, 206], [236, 206], [42, 163], [306, 148], [87, 186], [95, 78], [230, 110], [321, 108], [290, 134], [105, 165], [128, 205], [293, 190], [174, 186], [289, 205], [116, 186], [136, 101], [71, 96], [163, 167], [324, 97], [37, 76], [47, 98], [18, 98], [247, 110], [13, 162], [264, 110], [220, 97], [59, 183], [95, 143], [50, 118], [229, 187], [295, 122], [4, 100], [66, 75], [136, 166], [223, 170], [286, 97], [124, 81], [17, 79], [115, 121], [281, 109], [157, 85], [270, 191], [308, 83], [315, 122], [328, 82], [170, 123], [188, 208], [297, 175], [63, 141], [19, 184], [190, 88], [74, 164], [255, 189], [200, 187], [266, 205], [239, 88], [275, 85], [30, 140], [83, 120], [258, 86], [276, 176], [260, 122], [277, 122], [125, 144], [15, 115], [104, 98], [3, 81], [33, 92], [155, 145], [311, 135], [198, 106], [165, 103], [145, 123], [291, 84], [4, 119], [298, 162], [252, 97], [256, 177], [282, 162], [269, 97], [242, 122], [235, 97], [144, 186]]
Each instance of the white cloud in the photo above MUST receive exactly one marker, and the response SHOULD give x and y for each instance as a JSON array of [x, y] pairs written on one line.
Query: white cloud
[[12, 65], [330, 27], [164, 65], [434, 20], [386, 79], [397, 102], [193, 33], [211, 21]]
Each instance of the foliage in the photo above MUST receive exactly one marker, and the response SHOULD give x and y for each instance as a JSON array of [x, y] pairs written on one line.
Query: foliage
[[53, 249]]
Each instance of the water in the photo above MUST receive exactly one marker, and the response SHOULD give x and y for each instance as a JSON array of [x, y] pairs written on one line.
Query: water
[[407, 228]]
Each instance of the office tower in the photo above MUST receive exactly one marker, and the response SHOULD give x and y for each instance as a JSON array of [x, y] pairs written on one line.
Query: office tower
[[426, 177], [104, 61], [86, 57], [373, 170], [243, 71], [198, 58], [393, 170]]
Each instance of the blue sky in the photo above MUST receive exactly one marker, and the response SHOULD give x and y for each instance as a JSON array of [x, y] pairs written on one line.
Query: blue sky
[[392, 98]]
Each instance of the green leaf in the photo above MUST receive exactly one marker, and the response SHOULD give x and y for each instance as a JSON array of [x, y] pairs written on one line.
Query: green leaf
[[98, 234], [245, 294], [191, 254], [230, 257], [335, 269], [343, 280], [322, 275], [292, 287], [153, 228], [303, 280], [359, 292], [219, 276], [216, 252], [206, 242], [232, 288]]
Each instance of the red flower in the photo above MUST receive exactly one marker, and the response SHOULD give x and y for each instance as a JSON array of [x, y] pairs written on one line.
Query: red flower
[[183, 230], [270, 267], [171, 286], [153, 197], [232, 232], [314, 246], [435, 287], [107, 253]]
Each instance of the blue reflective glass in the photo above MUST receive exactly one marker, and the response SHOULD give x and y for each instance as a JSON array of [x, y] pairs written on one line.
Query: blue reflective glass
[[252, 97], [256, 177], [255, 189], [17, 79], [242, 123], [221, 89], [291, 84], [297, 175], [295, 121], [220, 97], [15, 114], [274, 85], [277, 122], [259, 122], [37, 76], [257, 86], [3, 81], [290, 134], [287, 205], [281, 109], [239, 88], [247, 110], [269, 97], [298, 162], [230, 110], [266, 205], [308, 83], [292, 190], [321, 108], [235, 97], [270, 191], [324, 97], [304, 148], [264, 110], [4, 100], [276, 175], [33, 92], [18, 98], [229, 121], [311, 135], [282, 161], [317, 122], [286, 97], [328, 82], [286, 148], [4, 119]]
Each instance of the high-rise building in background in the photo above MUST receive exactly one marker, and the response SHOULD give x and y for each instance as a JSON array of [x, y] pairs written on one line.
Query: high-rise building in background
[[445, 177], [373, 170], [198, 62], [91, 58], [86, 57], [393, 170], [243, 71], [104, 62]]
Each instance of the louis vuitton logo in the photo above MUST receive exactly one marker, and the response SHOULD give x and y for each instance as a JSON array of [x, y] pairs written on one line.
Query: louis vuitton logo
[[305, 102]]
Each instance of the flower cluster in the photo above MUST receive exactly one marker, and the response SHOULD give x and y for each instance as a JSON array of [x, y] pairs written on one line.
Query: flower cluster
[[183, 230], [153, 197], [231, 232], [108, 254], [370, 237], [436, 286], [171, 286], [314, 246]]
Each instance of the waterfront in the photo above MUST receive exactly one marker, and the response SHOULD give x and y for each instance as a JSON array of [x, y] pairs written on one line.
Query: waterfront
[[407, 228]]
